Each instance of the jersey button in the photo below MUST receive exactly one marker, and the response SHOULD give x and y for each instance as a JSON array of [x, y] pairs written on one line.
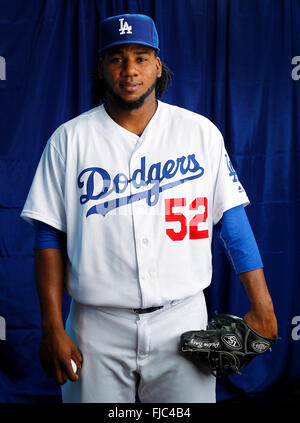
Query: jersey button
[[151, 273], [145, 241]]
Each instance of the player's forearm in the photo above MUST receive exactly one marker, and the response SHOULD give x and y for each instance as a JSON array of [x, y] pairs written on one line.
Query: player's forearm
[[261, 316], [49, 272], [257, 290]]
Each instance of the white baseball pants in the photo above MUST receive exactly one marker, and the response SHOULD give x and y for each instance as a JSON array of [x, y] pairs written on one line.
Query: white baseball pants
[[127, 354]]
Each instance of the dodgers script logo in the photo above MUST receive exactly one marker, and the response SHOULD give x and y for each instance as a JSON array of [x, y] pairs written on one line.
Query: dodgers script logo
[[124, 27], [146, 180]]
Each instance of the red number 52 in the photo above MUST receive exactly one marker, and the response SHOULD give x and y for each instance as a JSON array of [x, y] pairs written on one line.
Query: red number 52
[[194, 232]]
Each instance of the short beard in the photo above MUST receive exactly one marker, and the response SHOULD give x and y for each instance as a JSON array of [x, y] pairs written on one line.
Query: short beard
[[129, 105]]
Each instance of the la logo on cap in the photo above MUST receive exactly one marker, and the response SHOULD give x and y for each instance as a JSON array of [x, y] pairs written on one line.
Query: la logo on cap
[[124, 27]]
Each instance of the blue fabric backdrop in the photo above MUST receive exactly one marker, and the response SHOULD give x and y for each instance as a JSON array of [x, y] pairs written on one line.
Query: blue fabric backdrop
[[232, 62]]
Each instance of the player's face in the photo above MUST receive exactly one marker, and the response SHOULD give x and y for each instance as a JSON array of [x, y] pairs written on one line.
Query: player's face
[[130, 72]]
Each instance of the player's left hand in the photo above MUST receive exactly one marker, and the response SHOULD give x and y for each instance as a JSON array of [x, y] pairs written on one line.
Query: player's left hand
[[262, 321]]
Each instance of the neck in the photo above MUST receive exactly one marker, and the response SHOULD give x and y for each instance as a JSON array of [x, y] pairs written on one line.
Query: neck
[[133, 120]]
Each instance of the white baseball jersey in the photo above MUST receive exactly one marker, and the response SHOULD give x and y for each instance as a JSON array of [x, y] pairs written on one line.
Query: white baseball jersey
[[138, 211]]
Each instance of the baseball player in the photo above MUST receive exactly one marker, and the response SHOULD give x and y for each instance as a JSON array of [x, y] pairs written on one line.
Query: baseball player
[[124, 203]]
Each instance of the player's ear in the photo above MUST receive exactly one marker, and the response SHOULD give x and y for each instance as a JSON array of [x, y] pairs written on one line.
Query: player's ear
[[158, 66]]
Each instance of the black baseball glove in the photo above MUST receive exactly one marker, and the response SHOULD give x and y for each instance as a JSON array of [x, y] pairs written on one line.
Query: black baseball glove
[[227, 345]]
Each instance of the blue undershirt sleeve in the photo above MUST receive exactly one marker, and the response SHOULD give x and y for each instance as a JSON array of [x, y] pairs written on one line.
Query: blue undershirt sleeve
[[48, 237], [236, 236]]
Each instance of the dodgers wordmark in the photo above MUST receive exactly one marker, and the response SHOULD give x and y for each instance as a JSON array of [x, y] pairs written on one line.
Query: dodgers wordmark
[[155, 175]]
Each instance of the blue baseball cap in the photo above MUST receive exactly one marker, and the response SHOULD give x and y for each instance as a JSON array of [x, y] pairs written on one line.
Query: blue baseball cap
[[128, 29]]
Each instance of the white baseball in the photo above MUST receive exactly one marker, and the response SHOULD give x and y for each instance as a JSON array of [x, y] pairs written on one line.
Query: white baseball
[[74, 366]]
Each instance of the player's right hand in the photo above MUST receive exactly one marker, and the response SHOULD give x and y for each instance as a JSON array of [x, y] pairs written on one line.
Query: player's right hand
[[56, 351]]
